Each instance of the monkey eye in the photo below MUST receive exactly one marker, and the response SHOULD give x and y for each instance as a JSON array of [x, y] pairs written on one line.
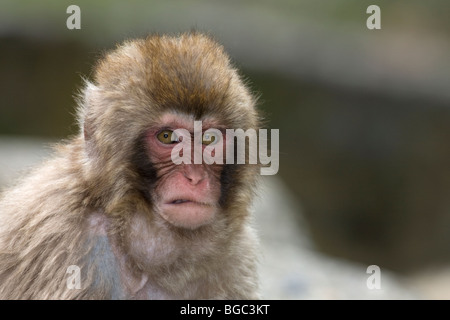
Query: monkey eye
[[167, 137], [209, 138]]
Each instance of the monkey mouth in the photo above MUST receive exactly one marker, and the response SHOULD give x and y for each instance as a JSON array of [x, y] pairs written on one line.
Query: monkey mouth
[[178, 201], [189, 212], [187, 201]]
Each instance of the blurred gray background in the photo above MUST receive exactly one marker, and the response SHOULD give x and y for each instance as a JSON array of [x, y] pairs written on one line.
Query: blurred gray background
[[364, 120]]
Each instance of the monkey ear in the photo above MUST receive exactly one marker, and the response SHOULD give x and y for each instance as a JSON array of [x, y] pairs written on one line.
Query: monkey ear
[[86, 102]]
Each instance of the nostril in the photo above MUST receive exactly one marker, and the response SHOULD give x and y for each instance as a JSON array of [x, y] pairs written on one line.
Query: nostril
[[193, 179], [194, 174]]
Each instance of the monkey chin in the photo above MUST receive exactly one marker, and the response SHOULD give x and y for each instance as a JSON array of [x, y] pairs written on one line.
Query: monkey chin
[[187, 214]]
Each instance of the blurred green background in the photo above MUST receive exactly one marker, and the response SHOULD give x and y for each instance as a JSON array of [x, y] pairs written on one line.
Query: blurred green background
[[364, 115]]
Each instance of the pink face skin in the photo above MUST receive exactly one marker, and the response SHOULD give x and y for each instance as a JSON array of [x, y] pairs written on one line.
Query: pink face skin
[[187, 195]]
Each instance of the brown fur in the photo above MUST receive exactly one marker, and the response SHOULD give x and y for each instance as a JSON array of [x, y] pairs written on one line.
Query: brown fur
[[85, 206]]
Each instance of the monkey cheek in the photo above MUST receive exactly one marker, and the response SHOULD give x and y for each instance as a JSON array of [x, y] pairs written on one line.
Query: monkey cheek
[[188, 215]]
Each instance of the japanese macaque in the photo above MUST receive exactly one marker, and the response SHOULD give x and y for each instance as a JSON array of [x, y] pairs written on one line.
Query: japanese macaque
[[110, 215]]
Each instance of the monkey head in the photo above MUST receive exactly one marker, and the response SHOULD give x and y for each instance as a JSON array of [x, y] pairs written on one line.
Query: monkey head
[[142, 93]]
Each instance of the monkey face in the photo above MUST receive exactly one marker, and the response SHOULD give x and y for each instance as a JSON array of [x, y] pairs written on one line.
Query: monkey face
[[185, 195]]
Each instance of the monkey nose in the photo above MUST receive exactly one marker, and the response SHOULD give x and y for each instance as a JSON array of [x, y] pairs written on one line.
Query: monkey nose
[[195, 174]]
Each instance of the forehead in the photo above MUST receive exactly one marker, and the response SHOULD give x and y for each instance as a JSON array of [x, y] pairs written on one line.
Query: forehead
[[186, 121]]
